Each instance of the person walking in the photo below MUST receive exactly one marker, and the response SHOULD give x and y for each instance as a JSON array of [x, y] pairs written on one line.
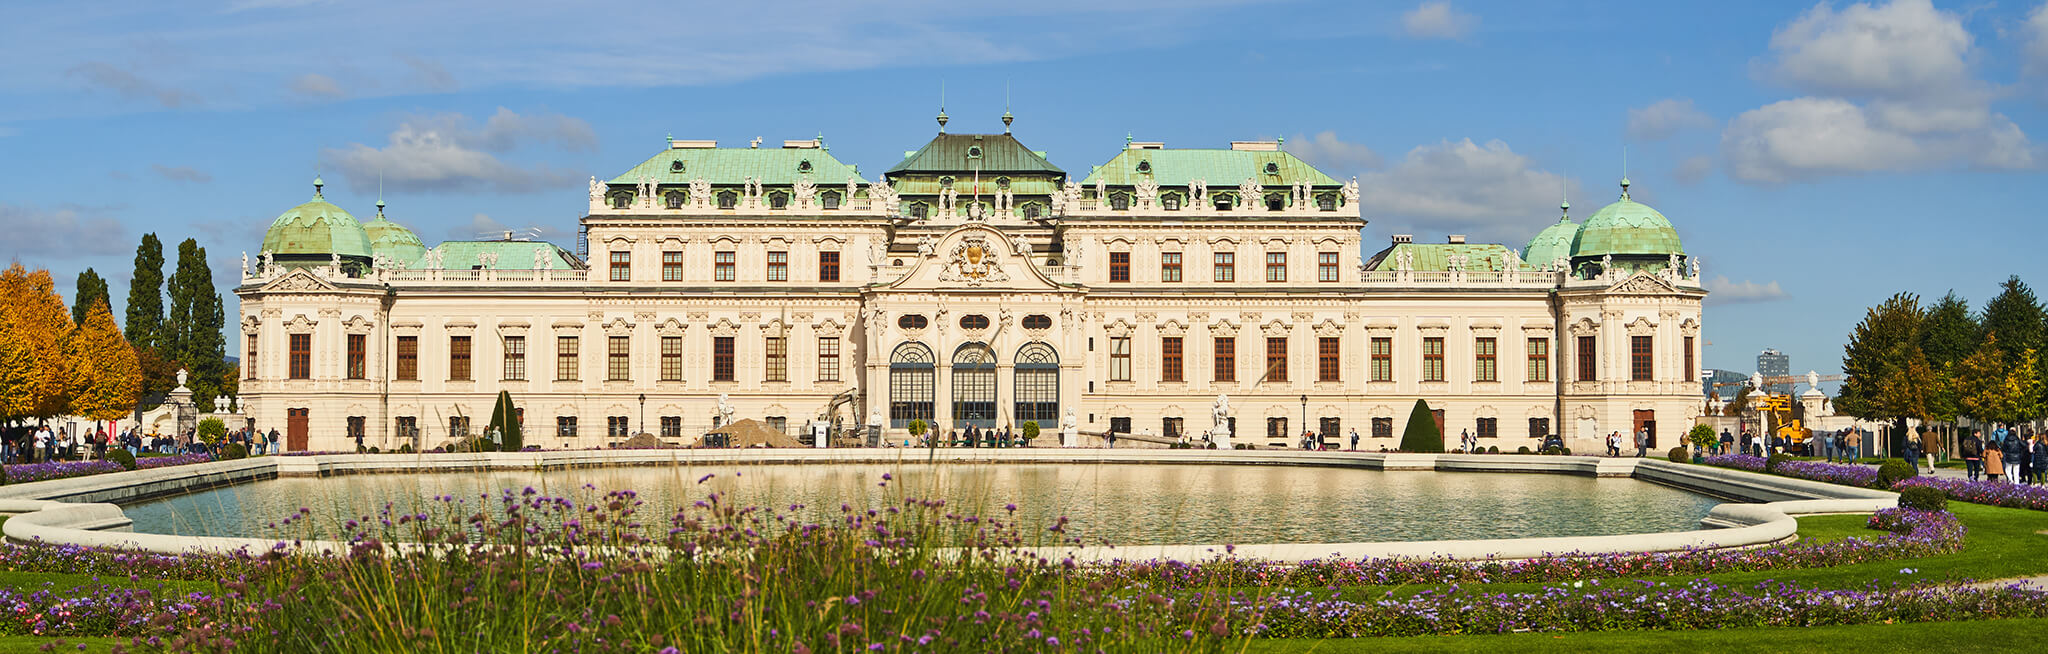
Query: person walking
[[1972, 451], [1854, 441], [1354, 438], [2018, 458], [1994, 463], [1642, 443], [1912, 454], [2040, 458]]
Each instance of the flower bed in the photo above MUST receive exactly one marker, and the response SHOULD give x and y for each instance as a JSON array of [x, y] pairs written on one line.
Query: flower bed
[[1846, 475], [28, 472], [1995, 493], [97, 611], [1908, 534], [172, 460], [78, 559], [1736, 461]]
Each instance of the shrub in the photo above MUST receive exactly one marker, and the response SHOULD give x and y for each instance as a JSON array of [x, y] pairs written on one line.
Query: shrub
[[916, 427], [1422, 434], [211, 430], [1030, 431], [121, 456], [1771, 464], [233, 451], [1522, 450], [405, 449], [505, 422], [1894, 471], [1702, 437], [1923, 498], [1565, 451], [1493, 449], [1679, 455], [374, 450]]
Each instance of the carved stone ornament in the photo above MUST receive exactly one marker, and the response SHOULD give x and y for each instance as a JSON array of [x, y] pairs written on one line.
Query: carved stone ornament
[[298, 281], [973, 261], [1642, 285]]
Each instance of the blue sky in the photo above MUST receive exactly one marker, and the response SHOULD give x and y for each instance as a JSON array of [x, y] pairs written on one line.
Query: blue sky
[[1817, 157]]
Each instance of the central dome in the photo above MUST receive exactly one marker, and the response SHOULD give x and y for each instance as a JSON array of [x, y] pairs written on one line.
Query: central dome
[[316, 229], [1626, 228], [394, 240], [1554, 242]]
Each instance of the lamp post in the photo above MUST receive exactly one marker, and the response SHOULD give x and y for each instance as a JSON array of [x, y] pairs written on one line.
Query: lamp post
[[643, 413], [1304, 413]]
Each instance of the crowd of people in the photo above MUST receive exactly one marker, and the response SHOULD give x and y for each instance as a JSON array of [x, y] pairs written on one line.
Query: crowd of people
[[2004, 454], [42, 443]]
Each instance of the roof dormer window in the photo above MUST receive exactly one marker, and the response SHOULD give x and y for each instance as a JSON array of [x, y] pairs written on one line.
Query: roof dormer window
[[803, 166], [674, 199], [676, 166], [778, 200], [1145, 167], [1272, 168], [945, 182], [1003, 183], [974, 152]]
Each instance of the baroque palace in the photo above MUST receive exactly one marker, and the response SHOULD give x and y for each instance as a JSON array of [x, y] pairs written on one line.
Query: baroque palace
[[1167, 293]]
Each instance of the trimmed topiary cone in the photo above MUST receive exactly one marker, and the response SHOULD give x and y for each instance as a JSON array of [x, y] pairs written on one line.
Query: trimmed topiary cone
[[1422, 434]]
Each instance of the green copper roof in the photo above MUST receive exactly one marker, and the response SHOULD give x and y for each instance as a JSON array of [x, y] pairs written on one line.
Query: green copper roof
[[1627, 227], [1437, 256], [731, 166], [393, 240], [966, 153], [1219, 168], [1553, 242], [512, 255], [316, 228]]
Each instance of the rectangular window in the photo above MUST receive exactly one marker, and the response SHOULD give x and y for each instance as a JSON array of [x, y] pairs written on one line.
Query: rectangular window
[[1382, 427], [408, 426], [408, 358], [515, 358], [1326, 266], [671, 358], [1327, 351], [778, 266], [1170, 359], [617, 426], [721, 358], [1484, 368], [1226, 267], [1169, 267], [458, 426], [249, 356], [1276, 266], [1487, 428], [1119, 266], [1382, 359], [1119, 358], [1539, 359], [1330, 430], [1120, 425], [775, 353], [1226, 359], [1690, 368], [358, 356], [458, 358], [1276, 359], [1539, 427], [618, 359], [1587, 370], [567, 348], [1276, 429], [1639, 368], [828, 266], [724, 264], [358, 427], [1433, 359], [302, 356], [671, 266], [671, 426], [622, 266], [828, 359], [565, 426], [1172, 427]]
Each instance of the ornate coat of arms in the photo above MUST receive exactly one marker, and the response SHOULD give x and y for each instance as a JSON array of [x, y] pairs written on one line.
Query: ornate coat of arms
[[974, 262]]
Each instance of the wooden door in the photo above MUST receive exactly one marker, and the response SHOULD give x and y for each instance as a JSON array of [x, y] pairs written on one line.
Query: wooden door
[[1646, 421], [1439, 415], [295, 429]]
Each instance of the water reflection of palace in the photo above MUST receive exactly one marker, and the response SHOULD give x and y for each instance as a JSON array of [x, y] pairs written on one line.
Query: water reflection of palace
[[971, 283]]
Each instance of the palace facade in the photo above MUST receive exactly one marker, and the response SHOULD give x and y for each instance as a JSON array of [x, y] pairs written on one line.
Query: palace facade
[[971, 283]]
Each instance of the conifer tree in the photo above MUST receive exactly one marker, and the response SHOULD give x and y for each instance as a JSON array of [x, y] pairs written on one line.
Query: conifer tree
[[146, 295], [1422, 434], [191, 333], [2016, 318], [109, 374], [1950, 333], [91, 290]]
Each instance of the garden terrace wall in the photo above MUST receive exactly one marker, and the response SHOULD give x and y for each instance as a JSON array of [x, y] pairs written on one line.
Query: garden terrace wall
[[82, 517]]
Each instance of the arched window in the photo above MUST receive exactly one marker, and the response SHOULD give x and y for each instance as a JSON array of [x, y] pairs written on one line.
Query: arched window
[[918, 210], [1120, 201], [1276, 202], [974, 386], [728, 199], [1037, 386], [674, 199], [830, 199], [778, 200], [1327, 202], [911, 385], [1223, 201], [1169, 201], [1031, 211], [622, 200]]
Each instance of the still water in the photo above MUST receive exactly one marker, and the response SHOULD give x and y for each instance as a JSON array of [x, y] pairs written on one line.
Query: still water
[[1116, 503]]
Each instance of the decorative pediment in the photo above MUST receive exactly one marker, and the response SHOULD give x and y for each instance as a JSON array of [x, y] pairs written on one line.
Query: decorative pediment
[[1172, 328], [1223, 328], [1642, 326], [250, 323], [972, 256], [973, 261], [299, 280], [725, 327], [1120, 328], [1275, 329], [1642, 284], [618, 327], [829, 327], [357, 325], [1329, 328], [300, 324], [671, 327]]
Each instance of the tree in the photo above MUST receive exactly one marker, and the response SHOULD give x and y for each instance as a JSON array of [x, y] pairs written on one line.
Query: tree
[[1878, 353], [191, 333], [1988, 389], [35, 379], [2016, 318], [91, 289], [1738, 405], [1422, 434], [146, 295], [110, 375], [505, 421]]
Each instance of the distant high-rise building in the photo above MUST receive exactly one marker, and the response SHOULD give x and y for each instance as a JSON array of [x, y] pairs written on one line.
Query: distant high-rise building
[[1728, 381], [1772, 363]]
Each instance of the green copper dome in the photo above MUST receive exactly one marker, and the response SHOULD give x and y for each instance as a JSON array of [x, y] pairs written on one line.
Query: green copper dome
[[317, 228], [1553, 242], [393, 240], [1626, 228]]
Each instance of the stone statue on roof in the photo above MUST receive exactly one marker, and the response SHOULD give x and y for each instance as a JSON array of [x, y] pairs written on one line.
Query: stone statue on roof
[[1250, 195], [1101, 194], [1511, 261], [265, 261], [925, 246], [1350, 192], [1404, 260], [1198, 193], [596, 190], [700, 192], [489, 260], [245, 264], [1148, 192], [805, 191], [1606, 265], [1695, 261]]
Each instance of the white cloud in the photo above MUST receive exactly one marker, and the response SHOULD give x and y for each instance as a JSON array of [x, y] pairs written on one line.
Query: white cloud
[[1808, 137], [2037, 41], [1693, 170], [1436, 19], [315, 85], [1902, 49], [59, 233], [484, 227], [181, 173], [1335, 156], [1722, 291], [448, 152], [1664, 118], [1459, 184], [127, 84]]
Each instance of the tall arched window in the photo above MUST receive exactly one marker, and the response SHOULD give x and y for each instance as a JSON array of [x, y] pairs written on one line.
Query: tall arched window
[[912, 380], [974, 386], [1037, 386]]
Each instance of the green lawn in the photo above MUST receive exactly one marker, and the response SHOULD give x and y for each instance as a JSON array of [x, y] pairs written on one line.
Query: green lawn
[[1918, 638], [35, 644]]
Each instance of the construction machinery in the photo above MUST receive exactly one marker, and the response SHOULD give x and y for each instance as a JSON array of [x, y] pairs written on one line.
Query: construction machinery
[[1777, 408]]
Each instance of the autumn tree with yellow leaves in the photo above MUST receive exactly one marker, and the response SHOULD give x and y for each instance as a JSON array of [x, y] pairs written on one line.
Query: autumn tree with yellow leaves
[[35, 375], [109, 376]]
